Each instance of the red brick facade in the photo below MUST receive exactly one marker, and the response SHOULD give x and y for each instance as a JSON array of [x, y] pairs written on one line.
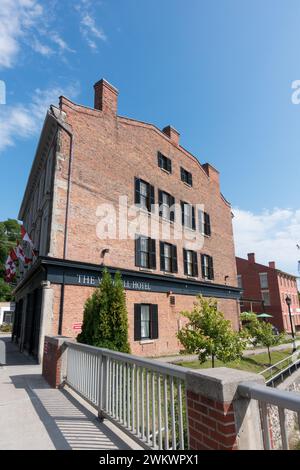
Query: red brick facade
[[96, 157], [279, 285]]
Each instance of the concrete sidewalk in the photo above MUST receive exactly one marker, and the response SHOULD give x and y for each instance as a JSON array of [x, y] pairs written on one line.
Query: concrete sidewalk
[[249, 352], [35, 416]]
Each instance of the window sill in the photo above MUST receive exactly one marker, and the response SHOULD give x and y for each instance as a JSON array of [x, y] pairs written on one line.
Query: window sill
[[187, 184], [147, 341], [165, 219], [165, 171], [146, 270], [194, 278]]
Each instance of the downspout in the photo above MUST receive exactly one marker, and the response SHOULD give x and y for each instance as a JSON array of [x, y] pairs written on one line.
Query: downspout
[[68, 131]]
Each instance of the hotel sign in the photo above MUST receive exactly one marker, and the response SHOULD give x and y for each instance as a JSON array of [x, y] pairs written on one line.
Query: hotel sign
[[94, 281]]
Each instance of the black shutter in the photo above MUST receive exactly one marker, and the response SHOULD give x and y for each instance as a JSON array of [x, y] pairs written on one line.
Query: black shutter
[[193, 218], [207, 230], [138, 251], [137, 322], [174, 259], [202, 266], [211, 267], [162, 256], [154, 321], [172, 212], [137, 197], [169, 165], [190, 179], [195, 264], [152, 197], [182, 173], [160, 200], [182, 212], [159, 159], [152, 253], [185, 262]]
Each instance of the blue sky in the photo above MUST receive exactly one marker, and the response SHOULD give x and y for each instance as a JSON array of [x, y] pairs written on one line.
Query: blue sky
[[219, 71]]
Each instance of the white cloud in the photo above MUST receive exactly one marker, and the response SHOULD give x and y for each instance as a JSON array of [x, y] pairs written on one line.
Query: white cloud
[[272, 235], [42, 49], [16, 18], [90, 31], [22, 122], [61, 43], [27, 22]]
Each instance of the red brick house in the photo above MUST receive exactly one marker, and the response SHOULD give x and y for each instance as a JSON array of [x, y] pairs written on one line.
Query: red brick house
[[264, 290], [88, 159]]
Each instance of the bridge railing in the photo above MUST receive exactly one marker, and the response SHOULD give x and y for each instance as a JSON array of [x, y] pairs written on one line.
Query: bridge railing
[[282, 400], [163, 406], [145, 398], [273, 372]]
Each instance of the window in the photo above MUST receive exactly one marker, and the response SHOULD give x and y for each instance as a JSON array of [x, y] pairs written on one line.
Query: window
[[145, 253], [204, 223], [188, 215], [144, 194], [190, 263], [164, 162], [263, 277], [240, 281], [145, 321], [168, 257], [266, 297], [166, 203], [186, 176], [207, 267]]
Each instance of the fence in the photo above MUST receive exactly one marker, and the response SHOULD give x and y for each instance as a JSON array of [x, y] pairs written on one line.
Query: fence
[[146, 399], [281, 368], [267, 397], [170, 407]]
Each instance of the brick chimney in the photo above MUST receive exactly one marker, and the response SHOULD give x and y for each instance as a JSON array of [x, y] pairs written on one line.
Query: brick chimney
[[106, 97], [172, 134], [272, 264], [251, 257]]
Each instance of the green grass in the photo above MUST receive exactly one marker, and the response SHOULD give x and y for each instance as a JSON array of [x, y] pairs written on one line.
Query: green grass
[[255, 363]]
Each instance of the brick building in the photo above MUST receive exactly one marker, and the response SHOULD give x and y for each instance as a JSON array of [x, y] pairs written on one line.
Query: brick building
[[92, 166], [264, 290]]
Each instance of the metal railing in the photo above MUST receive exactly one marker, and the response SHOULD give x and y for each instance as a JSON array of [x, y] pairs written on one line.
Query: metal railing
[[267, 397], [146, 399], [272, 373]]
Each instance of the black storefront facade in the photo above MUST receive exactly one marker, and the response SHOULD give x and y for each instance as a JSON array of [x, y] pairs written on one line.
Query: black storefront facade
[[31, 299]]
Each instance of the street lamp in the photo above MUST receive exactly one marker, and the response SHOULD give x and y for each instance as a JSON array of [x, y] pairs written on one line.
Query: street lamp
[[288, 302]]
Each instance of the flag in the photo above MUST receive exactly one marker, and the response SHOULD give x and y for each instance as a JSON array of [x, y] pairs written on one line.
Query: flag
[[13, 255], [10, 269], [26, 237], [20, 254]]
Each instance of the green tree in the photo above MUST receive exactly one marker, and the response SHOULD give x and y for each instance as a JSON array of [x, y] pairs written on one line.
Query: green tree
[[209, 334], [105, 321], [261, 332]]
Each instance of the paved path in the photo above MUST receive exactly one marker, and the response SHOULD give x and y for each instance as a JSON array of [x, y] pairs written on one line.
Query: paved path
[[248, 352], [35, 416]]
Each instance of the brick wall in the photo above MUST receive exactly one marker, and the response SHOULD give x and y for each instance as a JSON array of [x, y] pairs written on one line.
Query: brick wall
[[249, 270], [169, 317], [109, 151], [211, 424], [52, 361]]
